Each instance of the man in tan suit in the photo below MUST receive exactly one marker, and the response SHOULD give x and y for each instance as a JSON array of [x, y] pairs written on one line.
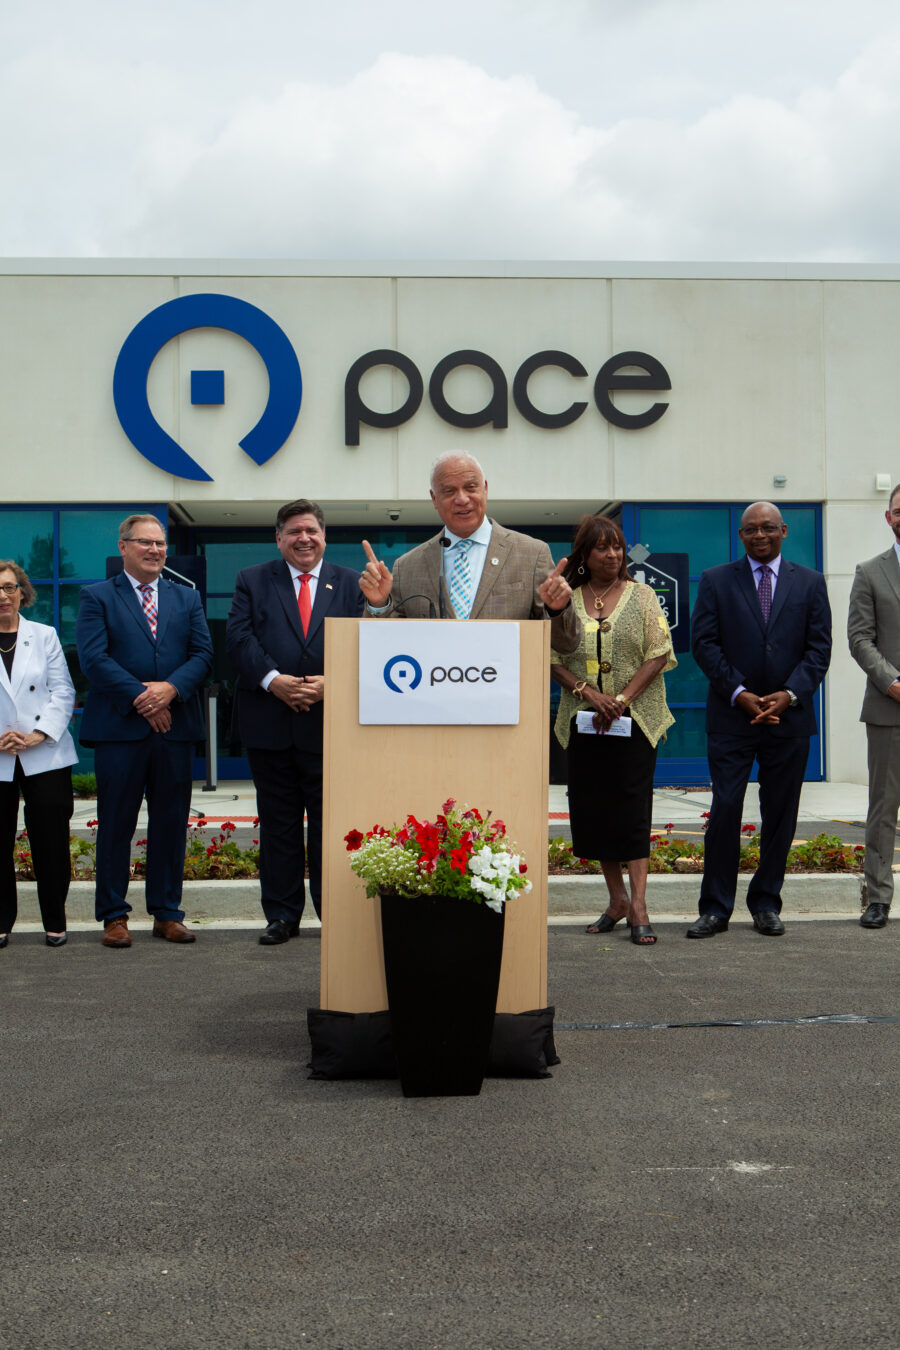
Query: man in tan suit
[[873, 629], [473, 569]]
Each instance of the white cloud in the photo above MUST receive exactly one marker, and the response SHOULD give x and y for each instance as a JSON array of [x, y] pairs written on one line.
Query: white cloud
[[430, 156]]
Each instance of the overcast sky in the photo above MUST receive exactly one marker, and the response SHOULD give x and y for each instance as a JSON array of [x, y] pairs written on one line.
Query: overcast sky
[[479, 129]]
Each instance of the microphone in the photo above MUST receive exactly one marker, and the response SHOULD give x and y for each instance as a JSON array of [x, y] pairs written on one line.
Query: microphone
[[417, 596], [445, 543]]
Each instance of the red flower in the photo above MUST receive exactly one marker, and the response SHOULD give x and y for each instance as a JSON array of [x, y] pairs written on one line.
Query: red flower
[[472, 814], [748, 829], [229, 826], [140, 843], [448, 805], [255, 821], [92, 823], [704, 815], [353, 840], [211, 850], [523, 868], [402, 835], [670, 826], [201, 823], [459, 858]]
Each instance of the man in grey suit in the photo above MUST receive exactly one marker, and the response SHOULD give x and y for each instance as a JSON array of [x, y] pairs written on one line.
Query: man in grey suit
[[873, 629], [473, 569]]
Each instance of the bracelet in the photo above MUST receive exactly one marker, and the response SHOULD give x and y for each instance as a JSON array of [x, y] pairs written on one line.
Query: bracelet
[[579, 687]]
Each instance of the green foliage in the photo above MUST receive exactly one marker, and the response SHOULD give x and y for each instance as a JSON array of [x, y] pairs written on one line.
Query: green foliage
[[823, 853], [84, 784]]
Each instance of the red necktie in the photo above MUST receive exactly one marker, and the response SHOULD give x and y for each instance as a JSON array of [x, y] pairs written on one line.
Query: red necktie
[[304, 604], [148, 606]]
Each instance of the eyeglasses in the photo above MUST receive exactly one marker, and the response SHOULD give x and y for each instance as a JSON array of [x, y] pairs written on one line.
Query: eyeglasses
[[9, 589], [146, 543], [760, 529]]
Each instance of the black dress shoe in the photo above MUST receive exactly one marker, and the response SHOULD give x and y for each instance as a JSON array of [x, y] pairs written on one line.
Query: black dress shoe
[[4, 939], [58, 940], [707, 926], [278, 931], [768, 922], [876, 916]]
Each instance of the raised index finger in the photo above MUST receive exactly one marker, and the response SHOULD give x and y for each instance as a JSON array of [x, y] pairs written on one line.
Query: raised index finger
[[560, 567], [369, 552]]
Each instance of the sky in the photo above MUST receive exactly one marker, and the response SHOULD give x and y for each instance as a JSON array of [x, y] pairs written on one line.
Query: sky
[[553, 130]]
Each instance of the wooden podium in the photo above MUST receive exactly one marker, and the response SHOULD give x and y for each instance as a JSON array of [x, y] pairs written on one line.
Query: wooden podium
[[381, 774]]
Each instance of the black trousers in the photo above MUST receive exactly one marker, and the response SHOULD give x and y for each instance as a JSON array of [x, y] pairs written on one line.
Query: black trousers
[[48, 810], [782, 763], [287, 783]]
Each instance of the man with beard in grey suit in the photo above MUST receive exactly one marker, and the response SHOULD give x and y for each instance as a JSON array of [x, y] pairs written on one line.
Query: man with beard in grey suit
[[873, 630]]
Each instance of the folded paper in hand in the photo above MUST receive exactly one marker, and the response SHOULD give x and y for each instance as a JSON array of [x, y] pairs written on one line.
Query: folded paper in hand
[[585, 723]]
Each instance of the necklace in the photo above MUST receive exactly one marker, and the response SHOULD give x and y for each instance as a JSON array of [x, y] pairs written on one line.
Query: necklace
[[6, 650], [598, 599]]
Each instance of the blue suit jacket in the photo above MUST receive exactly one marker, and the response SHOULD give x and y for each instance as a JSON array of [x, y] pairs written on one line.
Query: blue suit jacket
[[118, 653], [733, 647], [264, 633]]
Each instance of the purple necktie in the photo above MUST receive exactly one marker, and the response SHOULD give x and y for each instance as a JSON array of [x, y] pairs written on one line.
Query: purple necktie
[[765, 593]]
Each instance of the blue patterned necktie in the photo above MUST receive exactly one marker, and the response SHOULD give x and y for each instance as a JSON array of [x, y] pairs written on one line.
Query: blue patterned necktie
[[461, 580], [765, 592]]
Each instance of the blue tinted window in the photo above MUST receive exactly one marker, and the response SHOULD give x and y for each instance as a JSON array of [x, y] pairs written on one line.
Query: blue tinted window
[[87, 538], [703, 534], [27, 538]]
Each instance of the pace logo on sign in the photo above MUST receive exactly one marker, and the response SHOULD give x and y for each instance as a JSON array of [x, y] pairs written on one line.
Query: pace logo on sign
[[420, 673], [157, 328]]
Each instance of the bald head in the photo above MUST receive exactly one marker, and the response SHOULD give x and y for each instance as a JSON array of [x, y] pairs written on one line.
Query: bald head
[[459, 492], [762, 530]]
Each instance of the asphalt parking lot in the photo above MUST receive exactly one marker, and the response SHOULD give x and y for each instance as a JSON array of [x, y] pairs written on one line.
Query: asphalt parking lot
[[708, 1166]]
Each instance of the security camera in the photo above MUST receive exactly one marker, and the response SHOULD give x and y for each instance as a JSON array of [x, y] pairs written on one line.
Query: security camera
[[393, 515]]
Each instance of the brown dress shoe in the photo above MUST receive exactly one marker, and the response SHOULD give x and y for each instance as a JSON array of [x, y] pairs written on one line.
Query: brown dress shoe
[[173, 930], [116, 934]]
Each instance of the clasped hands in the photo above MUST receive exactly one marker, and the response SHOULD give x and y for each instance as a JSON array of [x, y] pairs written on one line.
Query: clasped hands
[[376, 583], [13, 742], [153, 704], [763, 709], [606, 708], [299, 692]]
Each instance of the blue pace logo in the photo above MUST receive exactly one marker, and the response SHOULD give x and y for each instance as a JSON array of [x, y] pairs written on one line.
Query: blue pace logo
[[150, 335], [402, 674]]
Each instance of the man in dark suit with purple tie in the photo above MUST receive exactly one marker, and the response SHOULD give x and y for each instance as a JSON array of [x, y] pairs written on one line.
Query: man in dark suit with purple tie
[[144, 646], [276, 642], [761, 633]]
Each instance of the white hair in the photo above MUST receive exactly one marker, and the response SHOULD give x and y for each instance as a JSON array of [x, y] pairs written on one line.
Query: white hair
[[447, 456]]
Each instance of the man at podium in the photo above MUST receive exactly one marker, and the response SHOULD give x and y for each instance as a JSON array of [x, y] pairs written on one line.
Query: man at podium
[[473, 569]]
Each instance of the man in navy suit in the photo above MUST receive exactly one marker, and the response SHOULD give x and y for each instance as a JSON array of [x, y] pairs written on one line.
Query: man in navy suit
[[276, 641], [761, 633], [144, 646]]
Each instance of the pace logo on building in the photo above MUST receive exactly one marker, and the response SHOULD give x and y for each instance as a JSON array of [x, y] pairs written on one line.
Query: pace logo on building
[[456, 674], [151, 334]]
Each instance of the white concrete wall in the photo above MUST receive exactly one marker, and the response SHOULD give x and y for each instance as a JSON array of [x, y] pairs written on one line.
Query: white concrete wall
[[774, 371]]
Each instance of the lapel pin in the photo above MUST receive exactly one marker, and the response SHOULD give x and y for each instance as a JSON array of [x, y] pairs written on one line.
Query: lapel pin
[[328, 586], [495, 562]]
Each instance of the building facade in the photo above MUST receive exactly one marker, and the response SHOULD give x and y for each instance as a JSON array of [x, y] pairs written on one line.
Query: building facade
[[668, 395]]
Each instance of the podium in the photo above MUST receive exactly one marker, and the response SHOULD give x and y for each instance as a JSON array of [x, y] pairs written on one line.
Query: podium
[[381, 774]]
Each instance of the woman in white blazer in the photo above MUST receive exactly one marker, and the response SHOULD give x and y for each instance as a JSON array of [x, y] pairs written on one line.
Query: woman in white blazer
[[36, 756]]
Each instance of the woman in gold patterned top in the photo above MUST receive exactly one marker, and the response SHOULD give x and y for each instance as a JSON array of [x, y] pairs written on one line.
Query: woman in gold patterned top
[[615, 673]]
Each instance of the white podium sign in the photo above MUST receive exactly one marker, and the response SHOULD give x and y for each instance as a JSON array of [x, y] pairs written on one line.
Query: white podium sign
[[420, 672]]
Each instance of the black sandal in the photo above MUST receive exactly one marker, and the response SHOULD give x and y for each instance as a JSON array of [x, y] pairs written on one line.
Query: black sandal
[[605, 924], [642, 935]]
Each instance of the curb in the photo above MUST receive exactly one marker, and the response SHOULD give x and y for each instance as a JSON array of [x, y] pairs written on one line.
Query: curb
[[667, 897]]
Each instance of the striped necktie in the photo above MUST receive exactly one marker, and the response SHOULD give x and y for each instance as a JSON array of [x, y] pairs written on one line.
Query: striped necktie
[[148, 605], [461, 580]]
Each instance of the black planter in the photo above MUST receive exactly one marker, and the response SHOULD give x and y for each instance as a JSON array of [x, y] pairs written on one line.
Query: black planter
[[442, 963]]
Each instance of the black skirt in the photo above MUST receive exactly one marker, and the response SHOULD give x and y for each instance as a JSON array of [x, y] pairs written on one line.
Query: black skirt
[[610, 794]]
